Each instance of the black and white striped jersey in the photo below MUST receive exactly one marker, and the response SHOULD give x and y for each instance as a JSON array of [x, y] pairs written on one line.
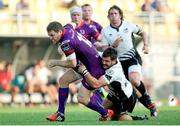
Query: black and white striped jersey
[[116, 74], [126, 48]]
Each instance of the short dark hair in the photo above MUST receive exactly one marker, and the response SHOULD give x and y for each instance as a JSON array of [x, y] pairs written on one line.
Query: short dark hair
[[55, 26], [119, 10], [85, 5], [110, 52]]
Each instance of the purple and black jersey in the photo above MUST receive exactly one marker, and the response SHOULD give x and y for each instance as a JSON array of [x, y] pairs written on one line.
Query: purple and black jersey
[[73, 42]]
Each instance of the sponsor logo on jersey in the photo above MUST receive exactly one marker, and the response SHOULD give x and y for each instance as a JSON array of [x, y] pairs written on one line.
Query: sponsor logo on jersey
[[110, 35], [110, 72], [93, 27], [82, 31], [65, 47], [125, 30]]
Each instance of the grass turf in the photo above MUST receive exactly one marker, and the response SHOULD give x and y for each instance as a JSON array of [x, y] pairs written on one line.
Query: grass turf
[[76, 115]]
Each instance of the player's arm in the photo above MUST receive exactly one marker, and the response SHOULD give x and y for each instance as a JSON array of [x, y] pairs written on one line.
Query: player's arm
[[92, 81], [102, 43], [117, 41], [100, 47], [62, 56], [145, 43], [139, 31], [70, 62]]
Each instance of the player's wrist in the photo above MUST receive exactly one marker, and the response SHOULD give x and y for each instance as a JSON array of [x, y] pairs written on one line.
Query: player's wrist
[[85, 72]]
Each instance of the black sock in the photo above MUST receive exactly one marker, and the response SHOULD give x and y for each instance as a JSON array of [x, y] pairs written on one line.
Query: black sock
[[141, 88], [145, 99]]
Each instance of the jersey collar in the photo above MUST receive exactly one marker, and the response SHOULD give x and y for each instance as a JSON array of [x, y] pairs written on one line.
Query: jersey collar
[[116, 28], [82, 23]]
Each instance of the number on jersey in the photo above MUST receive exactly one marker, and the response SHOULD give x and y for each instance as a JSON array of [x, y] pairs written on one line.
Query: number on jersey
[[82, 39]]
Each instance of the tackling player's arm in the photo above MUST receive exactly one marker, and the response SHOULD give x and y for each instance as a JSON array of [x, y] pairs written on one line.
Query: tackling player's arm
[[92, 81]]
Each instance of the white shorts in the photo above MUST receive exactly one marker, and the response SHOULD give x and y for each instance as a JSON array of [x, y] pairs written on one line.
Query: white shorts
[[135, 68]]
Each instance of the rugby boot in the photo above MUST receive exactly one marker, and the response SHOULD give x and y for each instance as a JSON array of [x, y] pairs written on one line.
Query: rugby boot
[[107, 117], [56, 117]]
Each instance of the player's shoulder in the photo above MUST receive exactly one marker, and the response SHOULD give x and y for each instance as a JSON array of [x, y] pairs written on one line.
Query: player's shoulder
[[128, 24], [65, 42], [71, 25], [113, 70], [107, 28], [117, 67], [95, 23]]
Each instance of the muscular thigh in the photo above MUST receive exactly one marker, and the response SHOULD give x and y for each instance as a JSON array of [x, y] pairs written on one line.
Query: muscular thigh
[[68, 77], [84, 95], [131, 66]]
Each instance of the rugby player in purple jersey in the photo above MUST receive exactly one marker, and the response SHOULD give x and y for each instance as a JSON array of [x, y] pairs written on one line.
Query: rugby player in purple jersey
[[87, 30], [77, 49], [87, 14]]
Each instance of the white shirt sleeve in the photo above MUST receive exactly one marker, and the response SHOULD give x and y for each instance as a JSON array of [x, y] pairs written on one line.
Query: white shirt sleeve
[[104, 40], [136, 29], [71, 56]]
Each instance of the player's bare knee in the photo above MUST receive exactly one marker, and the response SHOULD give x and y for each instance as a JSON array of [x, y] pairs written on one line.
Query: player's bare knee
[[134, 78]]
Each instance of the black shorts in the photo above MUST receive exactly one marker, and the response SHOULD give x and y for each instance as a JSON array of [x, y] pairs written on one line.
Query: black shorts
[[132, 61], [123, 106]]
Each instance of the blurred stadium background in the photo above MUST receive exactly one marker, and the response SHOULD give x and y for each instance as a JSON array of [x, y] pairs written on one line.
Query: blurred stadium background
[[23, 37]]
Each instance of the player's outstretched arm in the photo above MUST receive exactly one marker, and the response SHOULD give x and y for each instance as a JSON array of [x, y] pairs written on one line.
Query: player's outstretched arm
[[65, 63]]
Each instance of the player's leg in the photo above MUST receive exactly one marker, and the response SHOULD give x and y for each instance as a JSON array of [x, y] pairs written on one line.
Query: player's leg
[[121, 109], [68, 77], [108, 104], [126, 117], [87, 98], [134, 74]]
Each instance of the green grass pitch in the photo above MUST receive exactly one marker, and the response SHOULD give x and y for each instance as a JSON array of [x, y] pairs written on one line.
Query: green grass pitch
[[78, 115]]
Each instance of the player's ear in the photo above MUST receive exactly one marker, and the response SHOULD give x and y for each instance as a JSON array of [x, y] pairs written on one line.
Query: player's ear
[[60, 33], [114, 61]]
